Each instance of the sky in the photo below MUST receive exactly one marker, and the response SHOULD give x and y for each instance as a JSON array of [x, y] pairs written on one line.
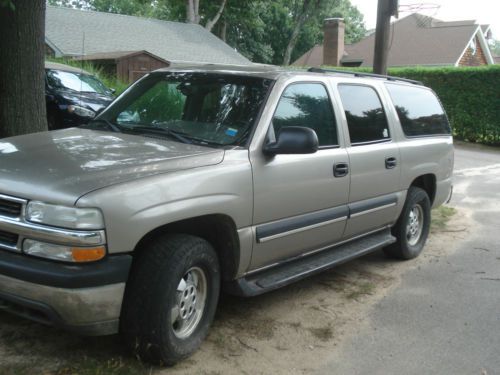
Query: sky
[[483, 11]]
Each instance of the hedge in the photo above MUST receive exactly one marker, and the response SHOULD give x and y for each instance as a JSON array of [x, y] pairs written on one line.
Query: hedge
[[471, 97]]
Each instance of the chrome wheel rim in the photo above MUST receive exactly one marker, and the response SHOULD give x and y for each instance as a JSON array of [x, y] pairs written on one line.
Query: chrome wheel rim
[[415, 225], [190, 300]]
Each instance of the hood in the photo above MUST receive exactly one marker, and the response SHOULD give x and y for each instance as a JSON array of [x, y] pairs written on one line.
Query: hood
[[61, 166]]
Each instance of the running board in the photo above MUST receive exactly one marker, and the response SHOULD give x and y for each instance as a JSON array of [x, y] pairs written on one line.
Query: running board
[[297, 269]]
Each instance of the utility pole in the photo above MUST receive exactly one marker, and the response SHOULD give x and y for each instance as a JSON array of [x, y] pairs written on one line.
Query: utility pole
[[385, 9]]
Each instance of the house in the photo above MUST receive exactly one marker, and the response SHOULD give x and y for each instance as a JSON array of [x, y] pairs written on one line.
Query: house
[[127, 66], [132, 46], [415, 40]]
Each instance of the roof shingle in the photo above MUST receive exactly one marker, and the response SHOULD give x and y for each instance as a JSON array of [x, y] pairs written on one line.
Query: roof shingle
[[415, 40], [72, 31]]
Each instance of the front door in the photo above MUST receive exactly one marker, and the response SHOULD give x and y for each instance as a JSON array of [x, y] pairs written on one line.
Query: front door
[[299, 205]]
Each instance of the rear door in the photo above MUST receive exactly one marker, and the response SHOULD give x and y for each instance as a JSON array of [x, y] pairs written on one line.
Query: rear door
[[299, 205], [374, 160]]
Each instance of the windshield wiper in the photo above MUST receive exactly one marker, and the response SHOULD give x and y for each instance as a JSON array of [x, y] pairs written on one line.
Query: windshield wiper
[[113, 127], [184, 138]]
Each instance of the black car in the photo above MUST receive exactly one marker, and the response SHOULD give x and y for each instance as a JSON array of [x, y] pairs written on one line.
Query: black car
[[73, 96]]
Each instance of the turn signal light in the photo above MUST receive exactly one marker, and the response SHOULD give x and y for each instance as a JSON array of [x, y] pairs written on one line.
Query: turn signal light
[[86, 254]]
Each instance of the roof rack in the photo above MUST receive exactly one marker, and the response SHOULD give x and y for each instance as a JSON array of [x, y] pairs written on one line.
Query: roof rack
[[361, 74]]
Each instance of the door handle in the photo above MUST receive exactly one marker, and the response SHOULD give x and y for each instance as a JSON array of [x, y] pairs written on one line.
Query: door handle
[[340, 169], [390, 162]]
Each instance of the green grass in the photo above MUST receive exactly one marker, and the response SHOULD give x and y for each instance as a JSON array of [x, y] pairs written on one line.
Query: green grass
[[441, 216]]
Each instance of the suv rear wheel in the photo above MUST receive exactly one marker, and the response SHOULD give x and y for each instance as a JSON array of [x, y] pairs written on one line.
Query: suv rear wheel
[[171, 298], [412, 228]]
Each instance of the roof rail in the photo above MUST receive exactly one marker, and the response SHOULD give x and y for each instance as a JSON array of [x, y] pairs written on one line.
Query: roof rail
[[361, 74]]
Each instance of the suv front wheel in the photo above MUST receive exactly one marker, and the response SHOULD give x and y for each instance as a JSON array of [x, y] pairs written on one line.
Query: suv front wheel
[[171, 298], [412, 228]]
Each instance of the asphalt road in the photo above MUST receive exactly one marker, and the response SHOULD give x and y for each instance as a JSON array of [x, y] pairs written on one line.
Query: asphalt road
[[443, 318]]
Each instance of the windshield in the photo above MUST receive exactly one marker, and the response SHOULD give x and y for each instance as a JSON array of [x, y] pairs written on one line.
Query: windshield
[[199, 108], [76, 81]]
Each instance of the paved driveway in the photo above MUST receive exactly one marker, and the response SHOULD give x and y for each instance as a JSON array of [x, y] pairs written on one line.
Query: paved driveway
[[443, 318]]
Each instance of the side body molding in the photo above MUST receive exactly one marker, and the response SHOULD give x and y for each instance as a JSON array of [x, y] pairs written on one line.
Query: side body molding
[[277, 229]]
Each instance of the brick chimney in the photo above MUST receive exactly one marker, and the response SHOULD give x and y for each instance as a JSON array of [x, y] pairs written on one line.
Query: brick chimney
[[333, 41]]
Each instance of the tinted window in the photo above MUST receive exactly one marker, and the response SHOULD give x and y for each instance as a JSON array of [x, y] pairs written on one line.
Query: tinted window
[[419, 111], [307, 104], [364, 112]]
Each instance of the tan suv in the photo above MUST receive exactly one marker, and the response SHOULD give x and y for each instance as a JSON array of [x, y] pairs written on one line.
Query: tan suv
[[198, 179]]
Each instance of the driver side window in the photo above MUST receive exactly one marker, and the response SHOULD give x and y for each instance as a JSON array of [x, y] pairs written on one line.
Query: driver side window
[[307, 105]]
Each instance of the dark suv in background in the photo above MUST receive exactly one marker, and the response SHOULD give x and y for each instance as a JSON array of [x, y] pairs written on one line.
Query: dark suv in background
[[73, 96]]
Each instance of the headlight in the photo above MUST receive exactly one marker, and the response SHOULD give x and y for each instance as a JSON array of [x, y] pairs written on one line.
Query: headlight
[[65, 217], [62, 252], [80, 111]]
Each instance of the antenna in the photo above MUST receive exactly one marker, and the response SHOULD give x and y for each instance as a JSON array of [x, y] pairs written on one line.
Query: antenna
[[428, 9]]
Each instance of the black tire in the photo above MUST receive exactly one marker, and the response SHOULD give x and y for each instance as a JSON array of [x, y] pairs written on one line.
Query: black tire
[[52, 120], [408, 246], [152, 293]]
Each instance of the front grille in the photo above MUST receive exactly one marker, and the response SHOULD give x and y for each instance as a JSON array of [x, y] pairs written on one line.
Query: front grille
[[9, 239], [10, 208]]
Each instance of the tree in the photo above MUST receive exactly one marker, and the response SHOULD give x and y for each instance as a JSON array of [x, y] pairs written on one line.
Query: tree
[[303, 10], [194, 11], [22, 89], [265, 31], [128, 7], [312, 32], [244, 27]]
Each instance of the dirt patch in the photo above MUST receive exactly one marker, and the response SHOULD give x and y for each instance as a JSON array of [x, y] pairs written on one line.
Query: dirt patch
[[289, 331]]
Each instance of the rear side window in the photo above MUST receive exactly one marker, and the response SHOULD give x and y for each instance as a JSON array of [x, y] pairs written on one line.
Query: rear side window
[[365, 115], [307, 104], [419, 111]]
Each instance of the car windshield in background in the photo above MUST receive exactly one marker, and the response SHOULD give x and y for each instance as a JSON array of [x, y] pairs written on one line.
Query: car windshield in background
[[76, 81], [199, 108]]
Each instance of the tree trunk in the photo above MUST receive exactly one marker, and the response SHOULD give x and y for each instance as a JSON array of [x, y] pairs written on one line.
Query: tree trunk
[[293, 39], [211, 23], [223, 31], [22, 73], [193, 11]]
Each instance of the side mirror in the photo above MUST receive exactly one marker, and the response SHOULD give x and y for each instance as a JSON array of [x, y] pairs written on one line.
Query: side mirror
[[293, 140], [112, 90]]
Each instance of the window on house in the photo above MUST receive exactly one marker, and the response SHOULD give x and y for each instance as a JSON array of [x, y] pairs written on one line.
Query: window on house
[[308, 105], [365, 114]]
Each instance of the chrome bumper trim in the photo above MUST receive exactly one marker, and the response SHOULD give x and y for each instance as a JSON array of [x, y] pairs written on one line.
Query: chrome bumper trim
[[51, 234]]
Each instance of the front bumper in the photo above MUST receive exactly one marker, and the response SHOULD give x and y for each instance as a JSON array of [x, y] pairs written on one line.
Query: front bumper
[[83, 298]]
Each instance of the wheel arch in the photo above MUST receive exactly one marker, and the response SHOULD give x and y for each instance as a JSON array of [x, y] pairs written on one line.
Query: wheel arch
[[218, 229], [427, 182]]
